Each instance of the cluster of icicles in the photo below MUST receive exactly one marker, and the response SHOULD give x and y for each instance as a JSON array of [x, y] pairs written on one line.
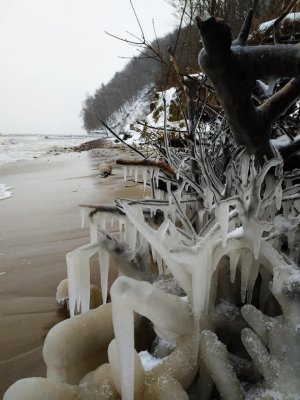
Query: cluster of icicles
[[195, 226]]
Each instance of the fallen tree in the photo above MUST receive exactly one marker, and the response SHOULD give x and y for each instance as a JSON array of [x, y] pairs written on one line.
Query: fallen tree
[[234, 70]]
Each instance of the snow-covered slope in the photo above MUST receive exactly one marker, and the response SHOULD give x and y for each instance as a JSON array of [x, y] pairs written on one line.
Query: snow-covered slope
[[124, 120]]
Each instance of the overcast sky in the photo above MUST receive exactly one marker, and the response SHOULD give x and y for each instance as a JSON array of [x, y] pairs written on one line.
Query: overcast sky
[[54, 52]]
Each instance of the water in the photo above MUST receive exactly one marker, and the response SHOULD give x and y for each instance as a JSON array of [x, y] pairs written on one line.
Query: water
[[26, 147]]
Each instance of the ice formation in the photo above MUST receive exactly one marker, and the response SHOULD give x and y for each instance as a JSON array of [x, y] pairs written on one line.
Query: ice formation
[[231, 247]]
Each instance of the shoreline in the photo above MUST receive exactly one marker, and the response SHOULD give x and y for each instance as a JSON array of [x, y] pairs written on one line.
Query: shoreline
[[40, 223]]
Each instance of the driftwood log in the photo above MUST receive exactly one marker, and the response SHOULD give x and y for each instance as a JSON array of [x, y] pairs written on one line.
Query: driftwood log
[[234, 69]]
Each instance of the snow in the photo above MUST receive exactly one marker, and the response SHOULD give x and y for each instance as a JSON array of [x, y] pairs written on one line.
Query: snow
[[148, 361], [123, 121], [290, 17], [5, 191]]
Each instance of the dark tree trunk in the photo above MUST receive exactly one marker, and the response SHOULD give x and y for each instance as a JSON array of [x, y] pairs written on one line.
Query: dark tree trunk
[[234, 69]]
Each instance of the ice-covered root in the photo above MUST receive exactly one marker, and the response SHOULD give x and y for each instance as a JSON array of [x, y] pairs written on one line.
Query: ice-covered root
[[62, 295], [99, 382], [115, 371], [279, 365], [170, 315], [181, 365], [215, 357], [76, 346], [165, 388], [96, 385], [41, 388]]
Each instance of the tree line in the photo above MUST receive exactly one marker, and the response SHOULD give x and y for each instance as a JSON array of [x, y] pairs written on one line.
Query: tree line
[[155, 63]]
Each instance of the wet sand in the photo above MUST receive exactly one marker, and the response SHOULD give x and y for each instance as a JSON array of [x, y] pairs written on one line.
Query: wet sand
[[40, 223]]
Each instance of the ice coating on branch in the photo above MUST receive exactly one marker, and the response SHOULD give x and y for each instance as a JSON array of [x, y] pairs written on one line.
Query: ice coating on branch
[[104, 268], [215, 356], [163, 243]]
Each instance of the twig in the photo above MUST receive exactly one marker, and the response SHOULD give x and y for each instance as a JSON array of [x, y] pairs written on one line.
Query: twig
[[121, 140], [148, 163]]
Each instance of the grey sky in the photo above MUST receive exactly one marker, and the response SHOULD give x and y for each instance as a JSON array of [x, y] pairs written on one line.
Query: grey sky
[[54, 52]]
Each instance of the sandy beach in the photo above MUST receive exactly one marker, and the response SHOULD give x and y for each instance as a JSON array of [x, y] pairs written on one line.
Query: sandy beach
[[40, 223]]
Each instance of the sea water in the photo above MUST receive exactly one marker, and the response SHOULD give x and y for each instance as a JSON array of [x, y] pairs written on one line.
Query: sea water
[[14, 148]]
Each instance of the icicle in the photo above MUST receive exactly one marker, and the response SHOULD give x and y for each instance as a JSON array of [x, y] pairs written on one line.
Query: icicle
[[159, 264], [153, 210], [145, 173], [125, 172], [93, 232], [122, 233], [245, 162], [121, 223], [136, 173], [257, 235], [102, 220], [252, 279], [82, 216], [222, 213], [151, 172], [198, 287], [124, 334], [73, 280], [84, 287], [130, 170], [169, 193], [234, 259], [104, 268], [156, 176], [246, 264], [78, 269], [112, 220]]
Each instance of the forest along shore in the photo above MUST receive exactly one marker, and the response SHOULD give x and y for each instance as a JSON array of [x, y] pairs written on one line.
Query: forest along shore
[[40, 223]]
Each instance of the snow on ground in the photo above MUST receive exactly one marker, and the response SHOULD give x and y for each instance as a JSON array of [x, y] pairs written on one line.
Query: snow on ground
[[290, 17], [124, 120], [148, 361]]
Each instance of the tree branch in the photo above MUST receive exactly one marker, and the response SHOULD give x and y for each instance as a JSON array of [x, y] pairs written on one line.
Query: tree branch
[[148, 163], [280, 102]]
